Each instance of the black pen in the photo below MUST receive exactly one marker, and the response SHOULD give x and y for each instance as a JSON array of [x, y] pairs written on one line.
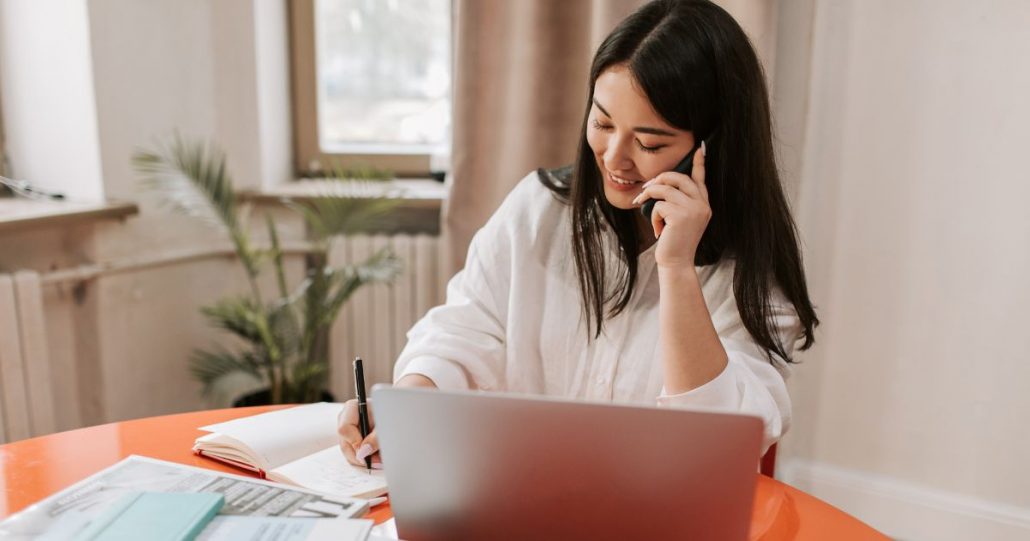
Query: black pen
[[359, 386]]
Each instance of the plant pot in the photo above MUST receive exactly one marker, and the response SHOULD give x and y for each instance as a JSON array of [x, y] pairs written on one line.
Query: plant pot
[[264, 398]]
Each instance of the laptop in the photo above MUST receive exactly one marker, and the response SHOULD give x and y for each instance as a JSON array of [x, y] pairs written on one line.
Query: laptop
[[473, 465]]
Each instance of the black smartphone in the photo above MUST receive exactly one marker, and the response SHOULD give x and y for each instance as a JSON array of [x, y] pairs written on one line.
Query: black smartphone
[[685, 166]]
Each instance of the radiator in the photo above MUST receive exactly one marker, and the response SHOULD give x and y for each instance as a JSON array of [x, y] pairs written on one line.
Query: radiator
[[26, 396], [374, 322]]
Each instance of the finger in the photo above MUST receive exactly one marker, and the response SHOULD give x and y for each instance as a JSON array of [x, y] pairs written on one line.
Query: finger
[[348, 414], [369, 446], [350, 434], [672, 214], [663, 192], [658, 218], [347, 422], [679, 181], [697, 174], [347, 428], [349, 452]]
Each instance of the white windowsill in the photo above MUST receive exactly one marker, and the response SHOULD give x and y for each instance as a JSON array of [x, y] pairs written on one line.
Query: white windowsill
[[19, 213], [418, 211], [415, 193]]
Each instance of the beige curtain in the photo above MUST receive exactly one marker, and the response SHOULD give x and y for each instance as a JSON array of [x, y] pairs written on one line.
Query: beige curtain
[[3, 154], [520, 86]]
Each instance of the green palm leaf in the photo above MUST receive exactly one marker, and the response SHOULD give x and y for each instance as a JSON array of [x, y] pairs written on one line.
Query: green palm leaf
[[332, 215], [210, 367], [192, 179], [285, 341], [382, 267], [238, 315], [248, 320]]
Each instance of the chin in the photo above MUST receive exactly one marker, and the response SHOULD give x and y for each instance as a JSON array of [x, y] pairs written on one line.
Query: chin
[[620, 200]]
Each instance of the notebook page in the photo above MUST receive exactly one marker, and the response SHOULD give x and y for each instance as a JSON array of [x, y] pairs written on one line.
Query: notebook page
[[329, 472], [280, 437]]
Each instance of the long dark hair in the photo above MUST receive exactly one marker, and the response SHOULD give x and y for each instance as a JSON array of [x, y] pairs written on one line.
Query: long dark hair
[[700, 73]]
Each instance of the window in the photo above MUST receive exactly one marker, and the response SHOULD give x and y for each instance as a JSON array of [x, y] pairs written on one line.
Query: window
[[372, 84]]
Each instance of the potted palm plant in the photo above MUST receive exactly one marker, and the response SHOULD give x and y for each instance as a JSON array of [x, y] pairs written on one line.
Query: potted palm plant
[[284, 333]]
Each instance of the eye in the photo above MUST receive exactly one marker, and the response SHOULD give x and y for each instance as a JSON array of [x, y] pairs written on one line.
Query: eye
[[650, 150]]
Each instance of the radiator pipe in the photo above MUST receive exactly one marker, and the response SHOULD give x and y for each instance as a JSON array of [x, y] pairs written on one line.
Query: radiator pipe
[[129, 264]]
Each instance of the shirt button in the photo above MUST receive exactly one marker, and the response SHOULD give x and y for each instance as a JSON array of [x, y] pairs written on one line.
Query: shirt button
[[601, 380]]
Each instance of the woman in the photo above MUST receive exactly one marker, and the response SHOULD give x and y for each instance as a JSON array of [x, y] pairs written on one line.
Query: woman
[[570, 291]]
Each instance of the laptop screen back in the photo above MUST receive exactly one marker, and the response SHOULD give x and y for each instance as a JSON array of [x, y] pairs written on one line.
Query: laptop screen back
[[490, 466]]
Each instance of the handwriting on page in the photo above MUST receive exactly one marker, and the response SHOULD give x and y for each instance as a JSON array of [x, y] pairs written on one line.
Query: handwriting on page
[[328, 471]]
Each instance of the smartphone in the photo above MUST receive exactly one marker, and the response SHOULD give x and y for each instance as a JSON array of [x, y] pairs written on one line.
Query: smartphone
[[685, 166]]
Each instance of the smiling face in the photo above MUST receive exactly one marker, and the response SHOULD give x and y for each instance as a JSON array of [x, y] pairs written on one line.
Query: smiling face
[[630, 141]]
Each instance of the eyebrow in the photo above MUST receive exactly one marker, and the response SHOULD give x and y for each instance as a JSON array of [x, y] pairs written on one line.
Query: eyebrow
[[641, 129]]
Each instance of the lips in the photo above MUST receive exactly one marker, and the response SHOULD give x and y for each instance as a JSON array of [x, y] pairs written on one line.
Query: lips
[[621, 185]]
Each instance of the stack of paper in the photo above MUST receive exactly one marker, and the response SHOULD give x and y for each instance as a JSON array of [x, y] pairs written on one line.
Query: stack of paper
[[67, 513], [225, 528]]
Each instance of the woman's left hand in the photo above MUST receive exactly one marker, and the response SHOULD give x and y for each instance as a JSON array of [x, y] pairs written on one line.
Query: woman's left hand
[[681, 213]]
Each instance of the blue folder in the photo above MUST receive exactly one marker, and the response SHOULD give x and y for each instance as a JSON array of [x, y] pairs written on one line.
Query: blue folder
[[159, 516]]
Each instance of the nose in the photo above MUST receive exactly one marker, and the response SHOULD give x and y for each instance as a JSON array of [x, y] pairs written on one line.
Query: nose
[[616, 158]]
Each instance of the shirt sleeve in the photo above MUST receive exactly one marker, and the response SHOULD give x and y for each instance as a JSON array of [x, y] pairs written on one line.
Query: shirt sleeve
[[749, 384], [461, 344]]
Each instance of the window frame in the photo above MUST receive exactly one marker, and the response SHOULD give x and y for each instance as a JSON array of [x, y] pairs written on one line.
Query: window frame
[[309, 159]]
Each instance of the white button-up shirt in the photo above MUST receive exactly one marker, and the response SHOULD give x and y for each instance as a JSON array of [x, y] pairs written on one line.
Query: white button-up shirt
[[513, 321]]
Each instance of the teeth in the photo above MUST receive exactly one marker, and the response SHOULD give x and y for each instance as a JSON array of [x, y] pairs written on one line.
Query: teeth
[[618, 180]]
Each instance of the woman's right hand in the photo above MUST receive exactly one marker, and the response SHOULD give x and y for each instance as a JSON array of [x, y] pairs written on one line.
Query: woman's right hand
[[354, 447]]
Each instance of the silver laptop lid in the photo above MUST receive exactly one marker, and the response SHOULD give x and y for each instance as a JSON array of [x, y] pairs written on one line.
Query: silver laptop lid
[[499, 467]]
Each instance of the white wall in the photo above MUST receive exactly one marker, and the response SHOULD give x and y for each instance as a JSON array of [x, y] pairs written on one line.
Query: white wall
[[215, 70], [50, 118], [272, 83], [912, 410], [252, 89]]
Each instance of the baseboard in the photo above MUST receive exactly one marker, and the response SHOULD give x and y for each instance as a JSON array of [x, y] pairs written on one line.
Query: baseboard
[[904, 510]]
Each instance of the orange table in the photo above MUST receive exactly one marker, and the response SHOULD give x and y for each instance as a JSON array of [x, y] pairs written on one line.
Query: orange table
[[35, 468]]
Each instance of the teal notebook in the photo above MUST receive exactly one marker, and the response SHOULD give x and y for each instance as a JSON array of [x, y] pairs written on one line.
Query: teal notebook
[[160, 516]]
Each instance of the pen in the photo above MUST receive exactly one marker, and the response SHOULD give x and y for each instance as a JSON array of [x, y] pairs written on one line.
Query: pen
[[359, 386]]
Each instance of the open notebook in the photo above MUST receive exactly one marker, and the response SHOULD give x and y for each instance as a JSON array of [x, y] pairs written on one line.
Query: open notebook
[[297, 446]]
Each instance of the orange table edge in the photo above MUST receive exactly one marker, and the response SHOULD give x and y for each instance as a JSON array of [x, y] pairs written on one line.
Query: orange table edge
[[33, 469]]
